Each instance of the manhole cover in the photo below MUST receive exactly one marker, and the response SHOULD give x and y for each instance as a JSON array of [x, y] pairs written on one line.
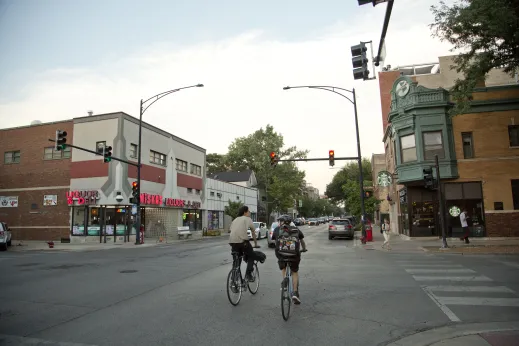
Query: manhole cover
[[128, 271]]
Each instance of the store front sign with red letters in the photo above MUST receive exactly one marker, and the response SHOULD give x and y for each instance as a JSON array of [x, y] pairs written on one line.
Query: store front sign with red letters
[[82, 197], [159, 201]]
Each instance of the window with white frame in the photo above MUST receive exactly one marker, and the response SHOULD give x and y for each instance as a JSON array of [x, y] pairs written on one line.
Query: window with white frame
[[157, 158], [11, 157], [408, 145], [133, 150], [196, 170], [433, 145], [50, 153], [181, 165]]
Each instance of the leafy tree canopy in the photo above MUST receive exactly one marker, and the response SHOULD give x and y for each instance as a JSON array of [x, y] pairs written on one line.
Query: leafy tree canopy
[[487, 32], [350, 172], [215, 163], [318, 207], [352, 200], [232, 208]]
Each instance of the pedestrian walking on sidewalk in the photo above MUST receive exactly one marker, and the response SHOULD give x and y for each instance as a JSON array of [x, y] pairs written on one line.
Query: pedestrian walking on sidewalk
[[465, 226], [386, 228]]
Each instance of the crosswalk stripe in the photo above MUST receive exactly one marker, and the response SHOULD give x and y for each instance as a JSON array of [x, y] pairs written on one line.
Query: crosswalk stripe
[[452, 278], [486, 289], [410, 262], [448, 312], [479, 301], [438, 271], [447, 266]]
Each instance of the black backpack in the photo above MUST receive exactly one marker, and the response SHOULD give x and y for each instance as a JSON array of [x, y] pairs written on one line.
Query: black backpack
[[288, 243]]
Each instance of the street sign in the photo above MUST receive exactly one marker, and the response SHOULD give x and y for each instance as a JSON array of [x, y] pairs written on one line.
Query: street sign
[[300, 203], [134, 209]]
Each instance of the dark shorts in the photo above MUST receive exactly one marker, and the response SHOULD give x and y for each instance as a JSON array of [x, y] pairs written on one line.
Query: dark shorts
[[294, 264]]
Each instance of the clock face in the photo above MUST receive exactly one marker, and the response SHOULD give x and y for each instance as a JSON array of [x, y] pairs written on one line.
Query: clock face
[[402, 88]]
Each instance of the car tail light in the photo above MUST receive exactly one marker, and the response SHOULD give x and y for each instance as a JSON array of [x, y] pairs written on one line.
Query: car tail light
[[332, 227], [348, 227]]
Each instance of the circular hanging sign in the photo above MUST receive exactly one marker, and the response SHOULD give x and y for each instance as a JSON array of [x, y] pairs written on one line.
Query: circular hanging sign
[[454, 211], [384, 179]]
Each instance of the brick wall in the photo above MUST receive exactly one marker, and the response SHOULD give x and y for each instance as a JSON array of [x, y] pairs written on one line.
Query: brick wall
[[33, 178], [502, 224]]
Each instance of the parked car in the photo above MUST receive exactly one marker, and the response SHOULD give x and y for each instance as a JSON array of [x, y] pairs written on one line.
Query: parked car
[[341, 228], [5, 236], [261, 230]]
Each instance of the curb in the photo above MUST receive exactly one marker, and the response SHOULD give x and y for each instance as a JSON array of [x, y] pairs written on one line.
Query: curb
[[435, 335]]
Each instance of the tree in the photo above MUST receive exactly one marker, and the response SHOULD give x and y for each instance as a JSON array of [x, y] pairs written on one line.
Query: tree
[[232, 208], [350, 172], [487, 31], [285, 182], [307, 210], [352, 193], [215, 163]]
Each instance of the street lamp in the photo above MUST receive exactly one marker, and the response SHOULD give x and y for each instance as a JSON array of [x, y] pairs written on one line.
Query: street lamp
[[143, 107], [354, 102]]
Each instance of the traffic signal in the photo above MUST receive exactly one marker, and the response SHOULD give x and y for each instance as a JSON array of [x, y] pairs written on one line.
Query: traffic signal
[[367, 194], [107, 153], [135, 193], [331, 157], [359, 61], [273, 159], [61, 139], [428, 178]]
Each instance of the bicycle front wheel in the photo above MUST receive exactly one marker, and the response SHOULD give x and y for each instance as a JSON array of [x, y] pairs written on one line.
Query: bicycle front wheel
[[254, 285], [286, 300], [234, 290]]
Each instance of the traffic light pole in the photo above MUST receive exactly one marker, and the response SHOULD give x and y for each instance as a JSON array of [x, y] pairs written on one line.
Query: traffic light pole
[[359, 156], [97, 153], [320, 159], [441, 204]]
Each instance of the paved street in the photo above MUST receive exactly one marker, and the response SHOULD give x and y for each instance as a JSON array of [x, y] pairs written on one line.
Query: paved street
[[175, 295]]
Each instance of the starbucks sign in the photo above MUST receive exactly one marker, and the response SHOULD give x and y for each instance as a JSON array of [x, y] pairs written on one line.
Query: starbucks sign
[[384, 178], [454, 211]]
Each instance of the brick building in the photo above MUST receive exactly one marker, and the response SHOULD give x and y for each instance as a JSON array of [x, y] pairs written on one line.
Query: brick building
[[50, 195], [478, 151]]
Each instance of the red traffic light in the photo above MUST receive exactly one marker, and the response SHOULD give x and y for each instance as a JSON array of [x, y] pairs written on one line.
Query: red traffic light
[[272, 154], [331, 152], [134, 184]]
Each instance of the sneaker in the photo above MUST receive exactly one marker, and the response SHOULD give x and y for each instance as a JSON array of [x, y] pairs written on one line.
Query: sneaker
[[295, 298]]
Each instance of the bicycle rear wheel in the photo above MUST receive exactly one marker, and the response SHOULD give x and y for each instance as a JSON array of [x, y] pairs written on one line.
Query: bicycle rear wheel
[[286, 300], [254, 285], [234, 290]]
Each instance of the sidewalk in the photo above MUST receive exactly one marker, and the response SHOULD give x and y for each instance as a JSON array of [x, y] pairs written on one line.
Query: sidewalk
[[402, 243], [473, 334], [40, 245]]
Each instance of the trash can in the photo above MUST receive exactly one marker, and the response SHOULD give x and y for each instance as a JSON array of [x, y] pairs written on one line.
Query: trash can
[[369, 232]]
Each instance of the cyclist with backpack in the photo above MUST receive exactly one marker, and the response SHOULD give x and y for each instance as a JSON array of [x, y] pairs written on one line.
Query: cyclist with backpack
[[289, 240]]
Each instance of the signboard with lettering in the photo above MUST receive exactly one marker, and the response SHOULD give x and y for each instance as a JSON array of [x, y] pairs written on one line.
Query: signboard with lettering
[[158, 200], [82, 197]]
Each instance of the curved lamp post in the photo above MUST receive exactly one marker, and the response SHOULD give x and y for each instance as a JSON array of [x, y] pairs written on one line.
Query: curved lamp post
[[353, 100], [143, 107]]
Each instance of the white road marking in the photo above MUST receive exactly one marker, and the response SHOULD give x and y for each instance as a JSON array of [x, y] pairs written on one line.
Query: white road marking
[[452, 278], [451, 315], [447, 266], [486, 289], [438, 271], [479, 301]]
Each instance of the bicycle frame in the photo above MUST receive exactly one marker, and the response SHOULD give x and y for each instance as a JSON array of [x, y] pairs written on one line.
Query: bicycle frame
[[288, 275]]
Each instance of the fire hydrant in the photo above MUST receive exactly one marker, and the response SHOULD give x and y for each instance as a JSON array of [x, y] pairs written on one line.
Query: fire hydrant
[[51, 244]]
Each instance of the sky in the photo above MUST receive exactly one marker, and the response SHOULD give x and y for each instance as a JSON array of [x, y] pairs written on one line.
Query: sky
[[62, 58]]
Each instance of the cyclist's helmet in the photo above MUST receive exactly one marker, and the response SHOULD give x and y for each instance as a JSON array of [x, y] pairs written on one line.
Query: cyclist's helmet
[[285, 219]]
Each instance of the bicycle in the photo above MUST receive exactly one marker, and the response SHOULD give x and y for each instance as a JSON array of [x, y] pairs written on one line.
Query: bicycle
[[235, 281], [287, 289]]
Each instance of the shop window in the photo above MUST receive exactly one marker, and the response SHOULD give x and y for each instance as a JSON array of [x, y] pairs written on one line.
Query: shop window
[[513, 135], [50, 153], [157, 158], [78, 220], [213, 220], [181, 166], [515, 193], [196, 170], [133, 150], [433, 145], [11, 157], [408, 145], [468, 147]]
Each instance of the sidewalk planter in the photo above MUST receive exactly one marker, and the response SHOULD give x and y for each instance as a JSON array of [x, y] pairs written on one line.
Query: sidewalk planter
[[214, 233]]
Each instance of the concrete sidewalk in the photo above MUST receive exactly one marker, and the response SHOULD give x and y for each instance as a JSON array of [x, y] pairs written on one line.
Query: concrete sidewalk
[[40, 245], [473, 334]]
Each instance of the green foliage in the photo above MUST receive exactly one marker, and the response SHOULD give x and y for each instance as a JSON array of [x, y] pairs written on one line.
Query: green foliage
[[487, 32], [216, 163], [352, 200], [319, 207], [232, 208], [283, 183], [350, 172]]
